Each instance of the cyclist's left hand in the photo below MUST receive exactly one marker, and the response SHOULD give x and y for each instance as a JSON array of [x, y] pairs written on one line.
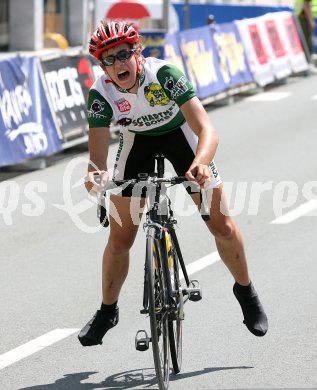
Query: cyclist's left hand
[[199, 173]]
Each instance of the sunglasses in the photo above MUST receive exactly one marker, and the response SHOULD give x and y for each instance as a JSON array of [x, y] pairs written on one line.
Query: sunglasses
[[122, 55]]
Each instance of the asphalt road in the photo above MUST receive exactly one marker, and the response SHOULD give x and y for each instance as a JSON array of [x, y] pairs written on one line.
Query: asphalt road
[[51, 246]]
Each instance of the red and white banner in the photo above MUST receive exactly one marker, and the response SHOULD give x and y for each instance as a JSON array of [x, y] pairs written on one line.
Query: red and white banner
[[291, 41], [273, 46], [256, 50]]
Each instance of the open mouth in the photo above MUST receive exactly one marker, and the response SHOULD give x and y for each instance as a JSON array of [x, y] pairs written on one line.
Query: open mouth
[[123, 75]]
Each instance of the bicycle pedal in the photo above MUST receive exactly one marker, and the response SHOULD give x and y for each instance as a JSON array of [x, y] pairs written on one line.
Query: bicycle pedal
[[142, 341], [194, 293]]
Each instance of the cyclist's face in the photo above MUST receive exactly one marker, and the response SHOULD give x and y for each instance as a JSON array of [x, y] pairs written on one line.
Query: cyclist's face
[[123, 73]]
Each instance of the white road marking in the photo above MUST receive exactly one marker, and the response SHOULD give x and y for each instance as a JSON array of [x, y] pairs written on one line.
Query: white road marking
[[303, 209], [33, 346], [268, 97], [314, 97], [56, 335], [201, 263]]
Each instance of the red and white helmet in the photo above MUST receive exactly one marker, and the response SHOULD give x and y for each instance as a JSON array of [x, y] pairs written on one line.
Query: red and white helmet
[[110, 34]]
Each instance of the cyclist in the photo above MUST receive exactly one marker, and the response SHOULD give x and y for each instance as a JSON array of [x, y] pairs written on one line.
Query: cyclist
[[158, 111]]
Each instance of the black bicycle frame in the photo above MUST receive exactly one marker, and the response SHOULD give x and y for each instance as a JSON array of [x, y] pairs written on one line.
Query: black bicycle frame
[[160, 221]]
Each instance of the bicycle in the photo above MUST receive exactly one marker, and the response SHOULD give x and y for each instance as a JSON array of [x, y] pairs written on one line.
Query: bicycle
[[164, 295]]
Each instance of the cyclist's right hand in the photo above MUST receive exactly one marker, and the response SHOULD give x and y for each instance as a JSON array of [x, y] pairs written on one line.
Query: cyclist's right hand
[[95, 181]]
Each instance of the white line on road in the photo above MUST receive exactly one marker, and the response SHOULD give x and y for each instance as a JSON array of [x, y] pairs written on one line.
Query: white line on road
[[201, 263], [303, 209], [268, 97], [33, 346], [56, 335]]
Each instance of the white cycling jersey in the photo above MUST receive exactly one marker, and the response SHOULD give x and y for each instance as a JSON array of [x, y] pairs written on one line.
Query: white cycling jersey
[[154, 110]]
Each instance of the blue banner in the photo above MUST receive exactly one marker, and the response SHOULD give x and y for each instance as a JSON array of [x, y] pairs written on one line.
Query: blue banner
[[201, 60], [153, 43], [223, 13], [27, 128], [233, 62], [172, 52]]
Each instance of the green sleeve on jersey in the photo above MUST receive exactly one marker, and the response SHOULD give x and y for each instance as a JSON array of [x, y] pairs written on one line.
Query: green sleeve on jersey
[[99, 110], [175, 84]]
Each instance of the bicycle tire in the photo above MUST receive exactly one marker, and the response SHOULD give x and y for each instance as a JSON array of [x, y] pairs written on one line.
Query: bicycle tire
[[157, 310], [176, 319]]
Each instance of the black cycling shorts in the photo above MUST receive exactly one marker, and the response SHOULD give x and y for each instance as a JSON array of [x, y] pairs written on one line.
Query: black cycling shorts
[[136, 155]]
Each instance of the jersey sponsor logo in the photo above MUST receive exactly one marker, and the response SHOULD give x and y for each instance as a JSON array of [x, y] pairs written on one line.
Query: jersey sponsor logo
[[214, 169], [123, 105], [154, 119], [155, 95], [148, 120], [118, 154], [177, 89], [124, 121], [95, 109]]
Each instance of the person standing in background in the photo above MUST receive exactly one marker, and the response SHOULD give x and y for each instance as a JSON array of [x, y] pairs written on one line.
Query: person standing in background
[[304, 12], [314, 13]]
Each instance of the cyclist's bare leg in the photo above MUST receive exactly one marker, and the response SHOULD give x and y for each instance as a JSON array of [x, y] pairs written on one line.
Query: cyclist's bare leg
[[231, 250], [228, 238], [125, 215]]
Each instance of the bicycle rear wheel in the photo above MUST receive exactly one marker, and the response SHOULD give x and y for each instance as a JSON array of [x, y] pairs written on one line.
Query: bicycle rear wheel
[[177, 316], [158, 310]]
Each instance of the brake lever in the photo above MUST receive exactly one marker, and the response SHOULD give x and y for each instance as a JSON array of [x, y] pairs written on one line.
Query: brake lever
[[204, 209], [101, 205]]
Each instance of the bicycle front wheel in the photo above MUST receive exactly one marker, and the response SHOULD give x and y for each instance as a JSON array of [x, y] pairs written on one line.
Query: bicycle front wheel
[[177, 316], [158, 309]]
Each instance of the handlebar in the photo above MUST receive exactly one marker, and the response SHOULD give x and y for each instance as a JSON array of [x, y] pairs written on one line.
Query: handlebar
[[146, 179], [111, 184]]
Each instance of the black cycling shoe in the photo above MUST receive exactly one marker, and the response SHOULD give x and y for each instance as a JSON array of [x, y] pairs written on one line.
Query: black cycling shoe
[[255, 318], [93, 332]]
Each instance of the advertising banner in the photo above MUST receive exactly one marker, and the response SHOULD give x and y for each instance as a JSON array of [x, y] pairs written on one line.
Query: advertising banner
[[233, 62], [275, 45], [252, 36], [153, 43], [224, 12], [172, 52], [289, 34], [68, 80], [27, 128], [95, 67], [201, 59]]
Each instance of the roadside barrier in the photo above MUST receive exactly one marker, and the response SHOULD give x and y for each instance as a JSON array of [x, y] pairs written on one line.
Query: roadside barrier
[[43, 98]]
